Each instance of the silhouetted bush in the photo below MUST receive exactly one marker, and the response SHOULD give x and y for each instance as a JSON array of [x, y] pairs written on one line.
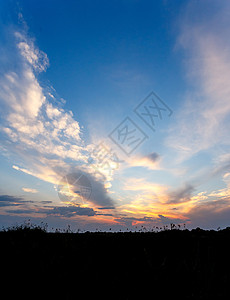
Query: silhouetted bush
[[124, 265]]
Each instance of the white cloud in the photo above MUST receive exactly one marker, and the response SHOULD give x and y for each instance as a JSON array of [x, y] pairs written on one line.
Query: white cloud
[[42, 134], [29, 190], [35, 57], [22, 92], [51, 111], [32, 121]]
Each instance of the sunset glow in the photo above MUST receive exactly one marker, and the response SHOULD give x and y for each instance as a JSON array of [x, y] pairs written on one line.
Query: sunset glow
[[127, 100]]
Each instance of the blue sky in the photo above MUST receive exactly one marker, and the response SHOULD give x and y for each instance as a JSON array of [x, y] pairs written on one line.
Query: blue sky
[[71, 77]]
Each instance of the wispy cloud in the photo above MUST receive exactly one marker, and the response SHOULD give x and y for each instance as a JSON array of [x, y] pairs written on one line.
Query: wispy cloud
[[35, 57], [36, 127], [202, 122], [141, 184], [202, 125]]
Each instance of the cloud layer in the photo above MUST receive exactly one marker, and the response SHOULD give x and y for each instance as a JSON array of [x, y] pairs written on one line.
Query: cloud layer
[[37, 129], [44, 140]]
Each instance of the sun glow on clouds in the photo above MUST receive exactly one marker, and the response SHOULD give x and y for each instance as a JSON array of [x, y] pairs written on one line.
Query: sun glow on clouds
[[139, 184], [43, 134], [50, 144], [29, 190], [150, 161], [32, 120]]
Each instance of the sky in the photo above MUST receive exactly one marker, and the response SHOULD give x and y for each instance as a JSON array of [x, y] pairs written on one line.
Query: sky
[[115, 114]]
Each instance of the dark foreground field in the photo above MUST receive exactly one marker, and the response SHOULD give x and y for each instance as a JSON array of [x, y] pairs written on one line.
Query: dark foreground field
[[174, 263]]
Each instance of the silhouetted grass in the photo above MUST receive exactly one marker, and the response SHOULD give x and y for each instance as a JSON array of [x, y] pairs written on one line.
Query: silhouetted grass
[[123, 265], [26, 227]]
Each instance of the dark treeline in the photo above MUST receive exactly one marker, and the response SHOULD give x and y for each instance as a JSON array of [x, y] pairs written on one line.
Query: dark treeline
[[139, 265]]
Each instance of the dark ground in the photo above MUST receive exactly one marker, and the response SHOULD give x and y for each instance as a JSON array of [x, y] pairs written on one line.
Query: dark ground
[[172, 264]]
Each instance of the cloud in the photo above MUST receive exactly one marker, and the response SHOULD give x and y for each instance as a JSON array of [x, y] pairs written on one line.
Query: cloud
[[153, 156], [226, 179], [45, 202], [80, 184], [31, 120], [8, 200], [35, 123], [37, 129], [220, 194], [132, 221], [141, 184], [106, 207], [181, 195], [35, 57], [203, 120], [17, 205], [150, 161], [99, 196], [70, 211], [20, 211], [13, 202], [166, 220], [29, 190], [23, 95], [211, 214], [149, 221]]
